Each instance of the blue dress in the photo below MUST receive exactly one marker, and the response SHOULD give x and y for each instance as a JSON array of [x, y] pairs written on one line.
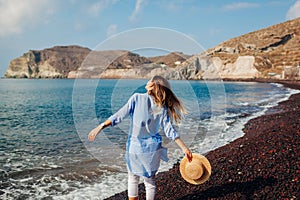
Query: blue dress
[[144, 145]]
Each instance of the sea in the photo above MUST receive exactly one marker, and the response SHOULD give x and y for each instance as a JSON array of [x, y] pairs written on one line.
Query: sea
[[44, 150]]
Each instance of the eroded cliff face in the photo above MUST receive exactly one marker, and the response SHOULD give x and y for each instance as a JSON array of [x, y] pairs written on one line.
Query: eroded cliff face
[[124, 64], [79, 62], [273, 52], [54, 62]]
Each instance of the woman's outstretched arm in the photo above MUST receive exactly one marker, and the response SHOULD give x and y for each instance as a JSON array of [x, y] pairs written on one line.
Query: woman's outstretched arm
[[115, 118], [98, 129]]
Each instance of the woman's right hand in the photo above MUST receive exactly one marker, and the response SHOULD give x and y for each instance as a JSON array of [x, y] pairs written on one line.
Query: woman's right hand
[[94, 133]]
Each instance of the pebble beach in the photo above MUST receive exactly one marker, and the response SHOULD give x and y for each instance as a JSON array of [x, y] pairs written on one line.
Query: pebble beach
[[263, 164]]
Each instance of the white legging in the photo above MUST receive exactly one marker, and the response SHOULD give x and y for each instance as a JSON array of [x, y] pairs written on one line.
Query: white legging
[[133, 182]]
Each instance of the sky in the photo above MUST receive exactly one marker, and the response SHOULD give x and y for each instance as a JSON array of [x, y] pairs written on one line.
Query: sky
[[39, 24]]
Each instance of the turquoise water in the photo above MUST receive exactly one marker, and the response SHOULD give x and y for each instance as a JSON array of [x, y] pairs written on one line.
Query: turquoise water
[[44, 152]]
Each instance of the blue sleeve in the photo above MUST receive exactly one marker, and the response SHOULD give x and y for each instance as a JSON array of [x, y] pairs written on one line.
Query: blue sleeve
[[169, 130], [126, 110]]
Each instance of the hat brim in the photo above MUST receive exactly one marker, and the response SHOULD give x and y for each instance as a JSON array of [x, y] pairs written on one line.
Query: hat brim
[[206, 169]]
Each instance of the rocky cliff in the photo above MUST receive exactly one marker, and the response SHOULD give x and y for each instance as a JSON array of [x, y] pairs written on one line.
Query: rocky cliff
[[79, 62], [54, 62], [125, 64], [272, 52]]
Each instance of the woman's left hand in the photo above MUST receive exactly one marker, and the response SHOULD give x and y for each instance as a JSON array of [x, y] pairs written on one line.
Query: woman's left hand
[[188, 154], [184, 148]]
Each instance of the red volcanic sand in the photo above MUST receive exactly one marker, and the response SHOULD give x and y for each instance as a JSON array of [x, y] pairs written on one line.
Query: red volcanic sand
[[263, 164]]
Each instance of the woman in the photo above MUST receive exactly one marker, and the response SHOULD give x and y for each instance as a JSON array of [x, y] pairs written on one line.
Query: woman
[[159, 107]]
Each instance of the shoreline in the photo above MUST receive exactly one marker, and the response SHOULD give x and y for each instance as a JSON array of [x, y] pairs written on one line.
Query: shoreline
[[262, 164]]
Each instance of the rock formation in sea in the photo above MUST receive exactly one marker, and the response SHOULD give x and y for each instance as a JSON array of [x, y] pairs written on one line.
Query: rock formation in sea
[[272, 52]]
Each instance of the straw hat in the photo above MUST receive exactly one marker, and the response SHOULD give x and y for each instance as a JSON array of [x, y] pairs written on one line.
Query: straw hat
[[197, 171]]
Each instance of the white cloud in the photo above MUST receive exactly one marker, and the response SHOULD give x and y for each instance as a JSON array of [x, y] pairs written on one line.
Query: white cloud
[[171, 6], [96, 8], [214, 32], [240, 5], [15, 15], [137, 10], [79, 26], [294, 11], [112, 29]]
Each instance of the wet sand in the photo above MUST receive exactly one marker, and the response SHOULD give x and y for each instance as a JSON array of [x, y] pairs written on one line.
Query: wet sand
[[263, 164]]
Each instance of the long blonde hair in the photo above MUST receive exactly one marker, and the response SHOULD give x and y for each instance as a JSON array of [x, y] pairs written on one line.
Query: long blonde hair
[[164, 96]]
